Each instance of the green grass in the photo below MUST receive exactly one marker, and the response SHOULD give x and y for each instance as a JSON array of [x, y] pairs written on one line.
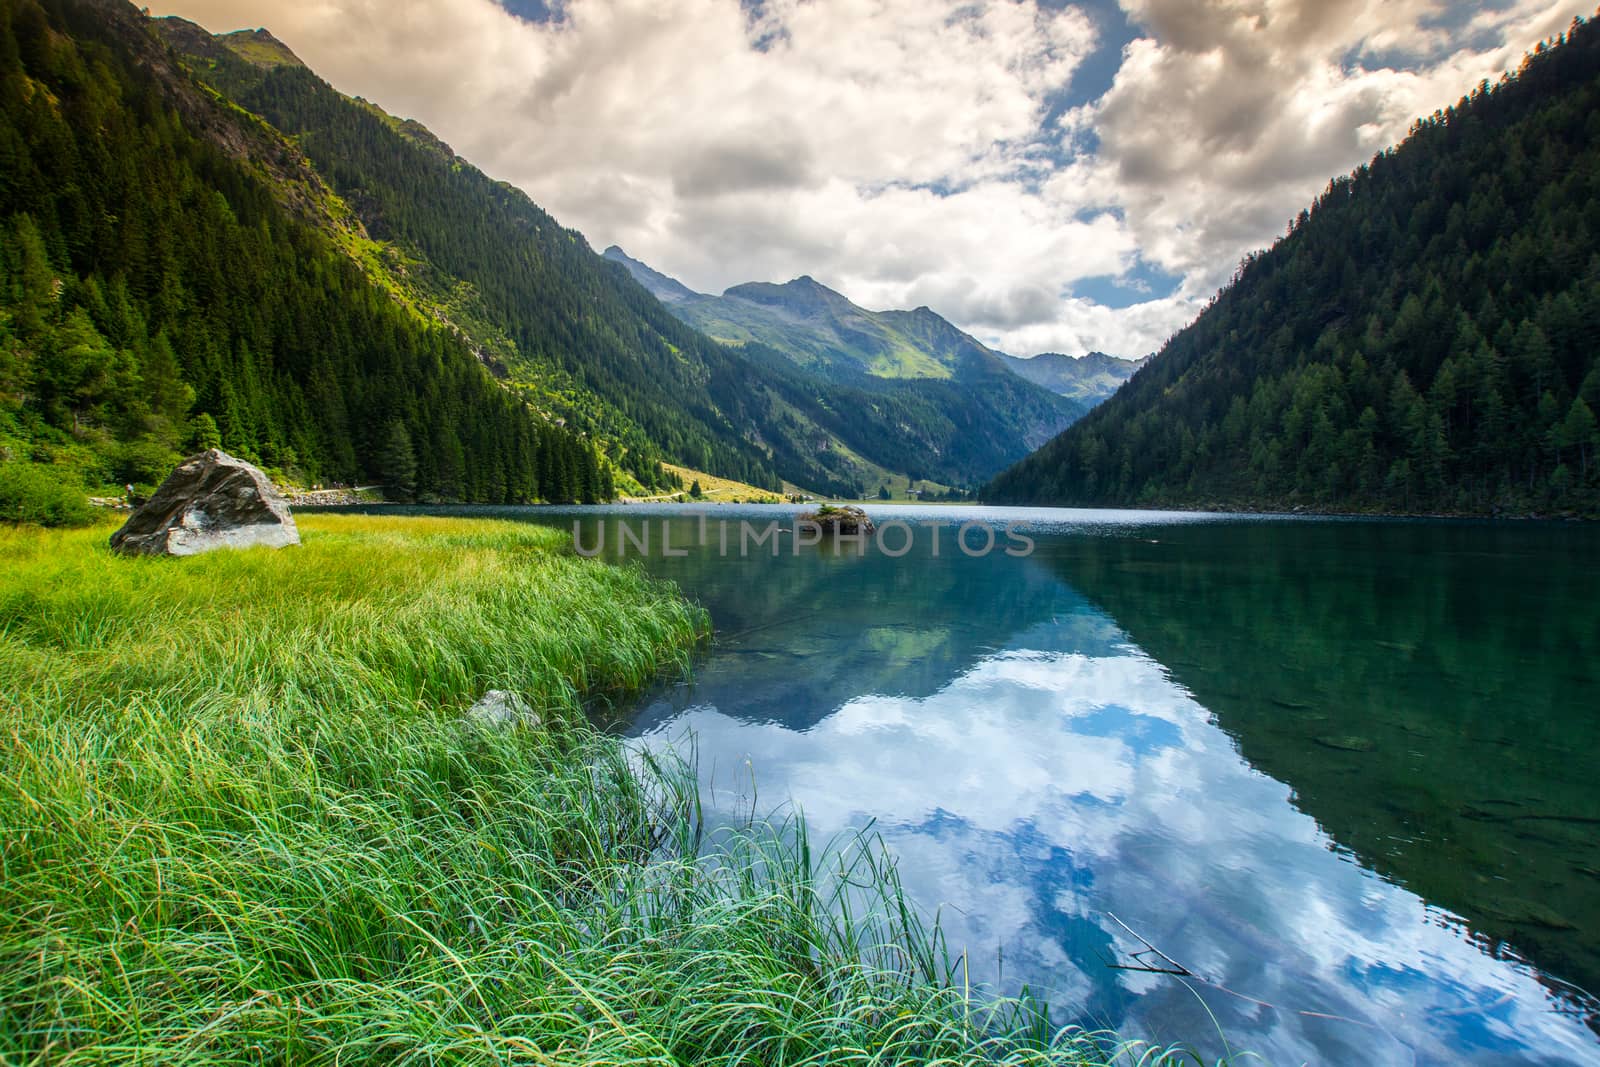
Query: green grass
[[244, 822]]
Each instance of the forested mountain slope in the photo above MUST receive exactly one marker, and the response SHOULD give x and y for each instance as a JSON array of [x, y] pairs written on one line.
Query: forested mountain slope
[[961, 412], [1424, 338], [579, 338], [157, 296]]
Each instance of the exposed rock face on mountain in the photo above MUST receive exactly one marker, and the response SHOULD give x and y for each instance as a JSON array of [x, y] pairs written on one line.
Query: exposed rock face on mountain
[[822, 330], [1091, 377], [211, 501]]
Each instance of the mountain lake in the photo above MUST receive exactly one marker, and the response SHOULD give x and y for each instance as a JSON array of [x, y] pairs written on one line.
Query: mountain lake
[[1339, 775]]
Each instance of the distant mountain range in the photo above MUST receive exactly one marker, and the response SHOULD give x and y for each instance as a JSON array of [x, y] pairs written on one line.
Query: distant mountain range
[[821, 330], [1093, 377]]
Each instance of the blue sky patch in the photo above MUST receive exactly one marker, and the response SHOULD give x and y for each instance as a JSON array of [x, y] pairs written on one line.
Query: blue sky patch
[[534, 10], [1135, 286]]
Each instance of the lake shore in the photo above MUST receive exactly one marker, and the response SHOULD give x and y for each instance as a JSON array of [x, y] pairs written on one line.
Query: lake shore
[[246, 817], [1300, 509]]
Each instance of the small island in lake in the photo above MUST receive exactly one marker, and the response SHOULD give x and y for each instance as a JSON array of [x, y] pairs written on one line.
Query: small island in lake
[[846, 519]]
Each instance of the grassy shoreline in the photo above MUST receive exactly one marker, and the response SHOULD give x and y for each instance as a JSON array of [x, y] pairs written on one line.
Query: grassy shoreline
[[243, 821]]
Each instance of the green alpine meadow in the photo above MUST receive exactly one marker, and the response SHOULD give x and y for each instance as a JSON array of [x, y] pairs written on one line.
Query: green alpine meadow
[[248, 819]]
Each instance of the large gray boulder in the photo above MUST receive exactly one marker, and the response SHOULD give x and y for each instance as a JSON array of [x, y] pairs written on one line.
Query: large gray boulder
[[211, 501]]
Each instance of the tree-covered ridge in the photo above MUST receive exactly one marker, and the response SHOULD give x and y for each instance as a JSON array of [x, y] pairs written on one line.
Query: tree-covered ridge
[[586, 343], [155, 297], [1422, 339], [860, 428], [528, 293]]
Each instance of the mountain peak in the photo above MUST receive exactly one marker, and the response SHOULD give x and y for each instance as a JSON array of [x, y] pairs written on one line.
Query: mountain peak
[[260, 48], [803, 296], [257, 47], [663, 287]]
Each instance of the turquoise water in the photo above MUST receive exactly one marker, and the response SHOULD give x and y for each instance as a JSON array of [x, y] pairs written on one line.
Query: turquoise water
[[1343, 773]]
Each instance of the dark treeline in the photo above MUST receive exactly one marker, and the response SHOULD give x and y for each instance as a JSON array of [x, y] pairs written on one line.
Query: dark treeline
[[625, 368], [154, 298], [1424, 338]]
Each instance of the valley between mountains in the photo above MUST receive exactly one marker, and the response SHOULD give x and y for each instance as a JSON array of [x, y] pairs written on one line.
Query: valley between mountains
[[604, 374]]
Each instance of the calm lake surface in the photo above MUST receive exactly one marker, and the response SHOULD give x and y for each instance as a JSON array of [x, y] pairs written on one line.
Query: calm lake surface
[[1345, 772]]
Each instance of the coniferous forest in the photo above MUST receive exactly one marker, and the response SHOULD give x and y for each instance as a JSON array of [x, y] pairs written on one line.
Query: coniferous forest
[[262, 262], [158, 299], [1423, 339], [585, 343], [336, 301], [597, 354]]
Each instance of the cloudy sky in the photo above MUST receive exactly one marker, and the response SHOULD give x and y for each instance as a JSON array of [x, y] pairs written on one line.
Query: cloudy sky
[[1052, 175]]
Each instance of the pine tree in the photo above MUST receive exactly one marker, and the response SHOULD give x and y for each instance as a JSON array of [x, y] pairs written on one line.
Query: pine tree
[[1579, 432], [397, 463], [203, 433], [75, 372]]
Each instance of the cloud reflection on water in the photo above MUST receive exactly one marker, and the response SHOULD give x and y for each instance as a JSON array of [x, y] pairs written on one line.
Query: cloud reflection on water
[[1042, 789]]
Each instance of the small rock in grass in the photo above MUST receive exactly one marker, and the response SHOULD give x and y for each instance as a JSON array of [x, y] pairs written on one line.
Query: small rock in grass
[[501, 707]]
